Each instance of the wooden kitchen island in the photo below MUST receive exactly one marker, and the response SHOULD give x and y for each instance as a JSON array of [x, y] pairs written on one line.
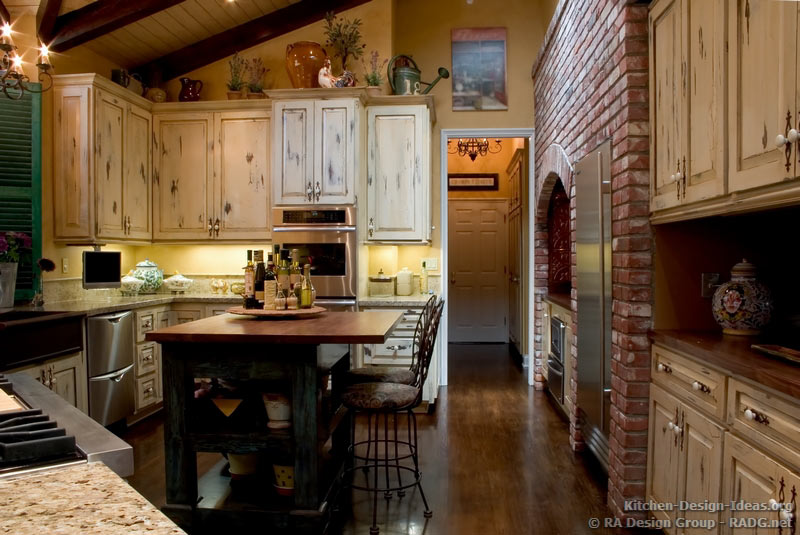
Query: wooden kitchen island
[[297, 356]]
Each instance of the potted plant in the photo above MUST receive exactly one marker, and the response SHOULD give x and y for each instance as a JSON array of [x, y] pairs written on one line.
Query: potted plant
[[255, 78], [373, 72], [238, 66], [12, 247], [344, 38]]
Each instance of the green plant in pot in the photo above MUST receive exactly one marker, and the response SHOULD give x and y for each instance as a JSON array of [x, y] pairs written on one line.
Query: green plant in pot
[[255, 78], [238, 67], [344, 38], [372, 73]]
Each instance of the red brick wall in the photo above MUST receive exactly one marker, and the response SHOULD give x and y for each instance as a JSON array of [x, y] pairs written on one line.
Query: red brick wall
[[590, 84]]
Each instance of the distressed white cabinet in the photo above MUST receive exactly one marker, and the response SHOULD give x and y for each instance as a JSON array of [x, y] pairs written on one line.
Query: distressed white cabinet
[[687, 95], [66, 376], [315, 151], [101, 162], [398, 173], [211, 176], [763, 90]]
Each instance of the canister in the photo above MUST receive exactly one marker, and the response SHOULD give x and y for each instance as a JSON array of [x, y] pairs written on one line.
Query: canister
[[405, 279], [381, 285]]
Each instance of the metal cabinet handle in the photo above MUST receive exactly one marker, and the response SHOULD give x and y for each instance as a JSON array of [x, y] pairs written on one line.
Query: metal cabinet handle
[[43, 379], [210, 228], [397, 348], [216, 227], [309, 192], [704, 388], [317, 191], [371, 227], [53, 380]]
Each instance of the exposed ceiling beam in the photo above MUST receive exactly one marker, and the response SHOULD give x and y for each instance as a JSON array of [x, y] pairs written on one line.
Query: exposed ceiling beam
[[101, 17], [4, 12], [46, 19], [244, 36]]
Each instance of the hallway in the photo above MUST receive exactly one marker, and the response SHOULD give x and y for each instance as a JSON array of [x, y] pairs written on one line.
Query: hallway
[[495, 460]]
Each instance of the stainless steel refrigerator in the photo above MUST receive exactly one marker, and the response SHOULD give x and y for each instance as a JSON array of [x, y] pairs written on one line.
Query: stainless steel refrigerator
[[593, 244]]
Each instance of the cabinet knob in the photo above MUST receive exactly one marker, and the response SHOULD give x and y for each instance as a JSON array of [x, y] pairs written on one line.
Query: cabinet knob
[[371, 227], [309, 192], [216, 227], [793, 136], [773, 504], [317, 191], [677, 429], [749, 414], [148, 390], [670, 425], [210, 228], [663, 368], [786, 515]]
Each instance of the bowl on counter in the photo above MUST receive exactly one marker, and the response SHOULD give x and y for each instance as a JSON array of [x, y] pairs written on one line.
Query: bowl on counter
[[237, 288], [178, 283], [130, 285]]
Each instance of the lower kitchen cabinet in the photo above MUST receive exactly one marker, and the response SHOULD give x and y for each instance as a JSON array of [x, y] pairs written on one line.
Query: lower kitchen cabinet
[[66, 376], [186, 312], [148, 361]]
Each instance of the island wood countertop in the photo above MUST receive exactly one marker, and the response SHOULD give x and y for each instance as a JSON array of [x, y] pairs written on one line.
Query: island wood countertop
[[368, 327], [733, 354]]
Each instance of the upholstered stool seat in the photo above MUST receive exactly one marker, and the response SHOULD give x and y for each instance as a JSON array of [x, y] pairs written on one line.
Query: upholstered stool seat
[[379, 396], [380, 374]]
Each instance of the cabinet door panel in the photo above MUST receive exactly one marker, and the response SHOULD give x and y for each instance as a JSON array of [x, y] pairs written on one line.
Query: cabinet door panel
[[666, 104], [241, 174], [395, 186], [109, 148], [138, 193], [663, 451], [700, 476], [72, 175], [181, 197], [703, 94], [293, 139], [762, 70], [335, 144]]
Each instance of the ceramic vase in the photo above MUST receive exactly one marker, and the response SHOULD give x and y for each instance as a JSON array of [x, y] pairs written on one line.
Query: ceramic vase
[[279, 410], [742, 306], [148, 272], [8, 283], [304, 59]]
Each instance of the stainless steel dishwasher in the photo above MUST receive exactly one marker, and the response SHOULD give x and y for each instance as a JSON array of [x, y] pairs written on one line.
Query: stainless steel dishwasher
[[110, 350]]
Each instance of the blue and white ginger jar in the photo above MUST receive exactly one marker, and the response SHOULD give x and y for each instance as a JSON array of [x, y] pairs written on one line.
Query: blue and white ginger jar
[[149, 273]]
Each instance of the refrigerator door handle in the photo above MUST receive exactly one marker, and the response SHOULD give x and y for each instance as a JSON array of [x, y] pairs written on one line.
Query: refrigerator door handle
[[115, 376]]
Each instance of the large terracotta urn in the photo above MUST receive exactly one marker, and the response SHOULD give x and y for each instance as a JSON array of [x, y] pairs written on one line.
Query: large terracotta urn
[[304, 59]]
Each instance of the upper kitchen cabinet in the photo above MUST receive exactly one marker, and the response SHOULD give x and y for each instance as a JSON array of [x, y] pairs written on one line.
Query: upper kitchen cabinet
[[315, 151], [687, 92], [101, 162], [398, 173], [211, 174], [763, 69]]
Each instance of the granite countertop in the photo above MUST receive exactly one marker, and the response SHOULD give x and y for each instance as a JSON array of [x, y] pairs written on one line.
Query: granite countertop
[[104, 305], [82, 499], [413, 300]]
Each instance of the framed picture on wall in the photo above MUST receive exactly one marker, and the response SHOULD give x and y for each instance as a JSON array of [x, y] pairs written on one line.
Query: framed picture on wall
[[479, 69], [472, 181]]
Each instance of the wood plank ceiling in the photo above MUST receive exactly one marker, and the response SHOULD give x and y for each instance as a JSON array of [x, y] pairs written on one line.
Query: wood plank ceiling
[[175, 27]]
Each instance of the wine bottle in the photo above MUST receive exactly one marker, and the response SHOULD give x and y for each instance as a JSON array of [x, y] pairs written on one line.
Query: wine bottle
[[306, 291], [283, 274], [249, 281], [261, 270], [270, 285], [295, 274]]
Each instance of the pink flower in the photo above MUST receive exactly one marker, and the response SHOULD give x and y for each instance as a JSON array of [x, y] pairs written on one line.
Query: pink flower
[[3, 244], [25, 239]]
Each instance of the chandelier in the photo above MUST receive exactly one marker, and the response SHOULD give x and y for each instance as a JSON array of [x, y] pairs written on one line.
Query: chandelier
[[474, 147], [14, 81]]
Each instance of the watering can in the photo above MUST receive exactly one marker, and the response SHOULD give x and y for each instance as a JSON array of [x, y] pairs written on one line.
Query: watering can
[[405, 80]]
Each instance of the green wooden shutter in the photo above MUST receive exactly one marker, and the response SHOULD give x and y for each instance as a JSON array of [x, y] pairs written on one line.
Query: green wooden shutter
[[21, 180]]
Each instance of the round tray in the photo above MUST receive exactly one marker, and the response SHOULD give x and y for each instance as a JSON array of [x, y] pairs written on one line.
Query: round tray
[[277, 314]]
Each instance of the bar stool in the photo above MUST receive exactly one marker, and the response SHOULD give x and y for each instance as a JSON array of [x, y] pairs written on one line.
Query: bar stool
[[394, 374], [384, 399]]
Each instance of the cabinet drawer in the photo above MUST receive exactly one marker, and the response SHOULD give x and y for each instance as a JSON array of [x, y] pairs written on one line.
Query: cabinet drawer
[[769, 420], [147, 391], [396, 351], [697, 385], [408, 324], [146, 358], [145, 322]]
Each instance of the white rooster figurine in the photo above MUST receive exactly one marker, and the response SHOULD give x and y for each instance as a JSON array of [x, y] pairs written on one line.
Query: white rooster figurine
[[327, 79]]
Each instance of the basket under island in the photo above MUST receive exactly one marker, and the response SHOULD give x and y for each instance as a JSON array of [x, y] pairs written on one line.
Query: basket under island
[[300, 355]]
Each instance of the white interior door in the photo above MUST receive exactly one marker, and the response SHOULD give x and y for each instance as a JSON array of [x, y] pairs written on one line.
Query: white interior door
[[478, 287]]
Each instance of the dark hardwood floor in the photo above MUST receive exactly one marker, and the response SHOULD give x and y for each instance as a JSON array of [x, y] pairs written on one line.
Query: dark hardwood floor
[[495, 459]]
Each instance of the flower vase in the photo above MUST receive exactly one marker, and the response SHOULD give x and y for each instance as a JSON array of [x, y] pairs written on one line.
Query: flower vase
[[8, 283]]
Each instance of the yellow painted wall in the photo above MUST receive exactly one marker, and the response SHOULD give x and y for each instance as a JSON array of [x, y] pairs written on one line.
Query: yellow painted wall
[[200, 259], [491, 163], [376, 31], [77, 60]]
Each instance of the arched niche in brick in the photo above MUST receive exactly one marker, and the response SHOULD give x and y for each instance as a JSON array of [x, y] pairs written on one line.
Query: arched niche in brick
[[554, 166]]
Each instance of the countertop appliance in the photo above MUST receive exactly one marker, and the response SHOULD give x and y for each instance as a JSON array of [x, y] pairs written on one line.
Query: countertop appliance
[[327, 234], [60, 434], [555, 360], [593, 236], [110, 349]]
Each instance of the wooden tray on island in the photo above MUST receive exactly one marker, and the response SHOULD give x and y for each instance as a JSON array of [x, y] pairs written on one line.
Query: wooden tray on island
[[277, 314]]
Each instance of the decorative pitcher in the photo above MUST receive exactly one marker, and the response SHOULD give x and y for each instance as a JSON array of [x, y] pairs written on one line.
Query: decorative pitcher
[[190, 90], [304, 59]]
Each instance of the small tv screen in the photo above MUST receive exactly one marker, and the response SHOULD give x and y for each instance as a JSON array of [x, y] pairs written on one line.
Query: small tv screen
[[101, 269]]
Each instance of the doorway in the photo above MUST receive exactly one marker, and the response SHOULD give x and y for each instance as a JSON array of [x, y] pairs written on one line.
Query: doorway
[[484, 233]]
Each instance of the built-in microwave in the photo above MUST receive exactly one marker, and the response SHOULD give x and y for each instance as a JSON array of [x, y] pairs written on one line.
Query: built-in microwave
[[325, 237], [557, 334]]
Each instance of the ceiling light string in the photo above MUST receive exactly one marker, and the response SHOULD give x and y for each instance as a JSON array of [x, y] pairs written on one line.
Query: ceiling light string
[[13, 80]]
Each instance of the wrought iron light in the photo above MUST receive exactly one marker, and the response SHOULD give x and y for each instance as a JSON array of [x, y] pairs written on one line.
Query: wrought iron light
[[14, 81], [473, 147]]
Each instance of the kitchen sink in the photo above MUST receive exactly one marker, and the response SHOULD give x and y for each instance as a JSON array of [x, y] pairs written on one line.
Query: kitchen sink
[[30, 336]]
